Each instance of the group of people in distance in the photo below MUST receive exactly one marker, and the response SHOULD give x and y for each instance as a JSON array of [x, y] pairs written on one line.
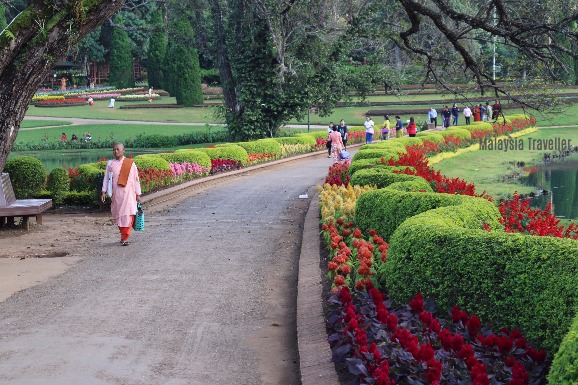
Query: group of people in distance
[[398, 129], [480, 113], [336, 140], [74, 138]]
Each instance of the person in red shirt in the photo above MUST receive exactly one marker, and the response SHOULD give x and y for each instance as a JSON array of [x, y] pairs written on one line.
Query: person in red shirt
[[411, 128], [63, 137]]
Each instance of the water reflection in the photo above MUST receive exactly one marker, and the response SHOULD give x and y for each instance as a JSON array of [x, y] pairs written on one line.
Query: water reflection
[[559, 181]]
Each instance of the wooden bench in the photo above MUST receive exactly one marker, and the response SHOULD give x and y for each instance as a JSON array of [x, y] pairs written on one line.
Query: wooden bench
[[10, 207]]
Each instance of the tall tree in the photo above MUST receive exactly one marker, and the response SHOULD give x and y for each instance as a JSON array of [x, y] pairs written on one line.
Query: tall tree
[[121, 62], [3, 22], [182, 63], [34, 40], [157, 50]]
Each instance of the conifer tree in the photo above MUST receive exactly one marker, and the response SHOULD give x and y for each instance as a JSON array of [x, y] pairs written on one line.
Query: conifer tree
[[157, 52], [182, 64], [121, 63], [3, 22]]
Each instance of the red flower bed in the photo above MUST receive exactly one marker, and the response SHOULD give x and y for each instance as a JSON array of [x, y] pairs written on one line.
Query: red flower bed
[[61, 102], [224, 165], [338, 174], [259, 158]]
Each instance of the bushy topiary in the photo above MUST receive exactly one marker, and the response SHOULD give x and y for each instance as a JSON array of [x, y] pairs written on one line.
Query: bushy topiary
[[232, 152], [314, 134], [190, 156], [360, 164], [154, 161], [516, 281], [457, 133], [376, 153], [27, 174], [431, 137], [301, 139], [415, 185], [81, 198], [564, 370], [58, 184], [89, 178], [262, 146], [380, 177]]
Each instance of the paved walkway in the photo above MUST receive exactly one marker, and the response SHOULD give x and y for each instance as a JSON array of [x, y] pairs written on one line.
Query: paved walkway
[[205, 296]]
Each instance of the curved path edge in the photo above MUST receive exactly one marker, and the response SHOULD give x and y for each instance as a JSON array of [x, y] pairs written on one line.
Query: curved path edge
[[314, 352]]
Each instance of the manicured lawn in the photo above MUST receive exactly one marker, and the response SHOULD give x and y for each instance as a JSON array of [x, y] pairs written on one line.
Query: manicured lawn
[[43, 123], [106, 131], [100, 110], [489, 169]]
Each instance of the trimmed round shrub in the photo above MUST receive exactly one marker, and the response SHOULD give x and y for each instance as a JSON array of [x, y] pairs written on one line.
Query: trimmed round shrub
[[514, 280], [431, 137], [408, 141], [416, 185], [371, 163], [232, 152], [58, 183], [90, 177], [380, 177], [151, 161], [315, 134], [393, 145], [27, 174], [376, 153], [564, 370], [81, 198], [189, 156], [262, 146], [301, 139], [457, 132]]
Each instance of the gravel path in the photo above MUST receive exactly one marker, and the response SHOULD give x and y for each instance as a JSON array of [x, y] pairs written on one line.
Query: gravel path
[[206, 295]]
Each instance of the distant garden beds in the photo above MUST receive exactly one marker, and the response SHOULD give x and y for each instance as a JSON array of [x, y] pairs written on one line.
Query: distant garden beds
[[150, 105]]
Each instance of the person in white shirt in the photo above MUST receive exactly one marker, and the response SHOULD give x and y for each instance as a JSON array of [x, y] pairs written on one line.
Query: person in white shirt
[[368, 129], [467, 114], [433, 116]]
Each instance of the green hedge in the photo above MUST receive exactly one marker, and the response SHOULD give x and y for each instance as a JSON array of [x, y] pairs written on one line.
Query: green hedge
[[232, 152], [385, 209], [431, 136], [457, 132], [379, 176], [564, 370], [89, 179], [516, 281], [58, 184], [477, 126], [372, 163], [262, 146], [151, 161], [189, 156], [408, 141], [314, 134], [27, 175], [394, 145], [82, 198], [416, 185], [300, 139], [376, 153]]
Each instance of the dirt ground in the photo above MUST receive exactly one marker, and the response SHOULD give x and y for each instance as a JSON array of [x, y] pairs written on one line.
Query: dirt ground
[[30, 258]]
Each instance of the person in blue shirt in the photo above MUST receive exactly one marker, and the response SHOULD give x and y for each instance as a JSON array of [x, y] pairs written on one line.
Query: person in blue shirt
[[455, 111]]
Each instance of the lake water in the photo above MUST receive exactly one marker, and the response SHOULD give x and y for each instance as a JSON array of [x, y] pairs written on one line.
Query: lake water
[[560, 181]]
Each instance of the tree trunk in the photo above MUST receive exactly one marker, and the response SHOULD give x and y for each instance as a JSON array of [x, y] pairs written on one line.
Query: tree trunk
[[36, 39], [227, 80]]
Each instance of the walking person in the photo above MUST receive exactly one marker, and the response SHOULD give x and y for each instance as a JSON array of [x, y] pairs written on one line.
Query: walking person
[[111, 103], [124, 190], [496, 110], [369, 124], [328, 144], [336, 145], [488, 112], [455, 111], [411, 128], [467, 114], [482, 113], [385, 128], [433, 116], [398, 127], [344, 133], [476, 111], [446, 115]]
